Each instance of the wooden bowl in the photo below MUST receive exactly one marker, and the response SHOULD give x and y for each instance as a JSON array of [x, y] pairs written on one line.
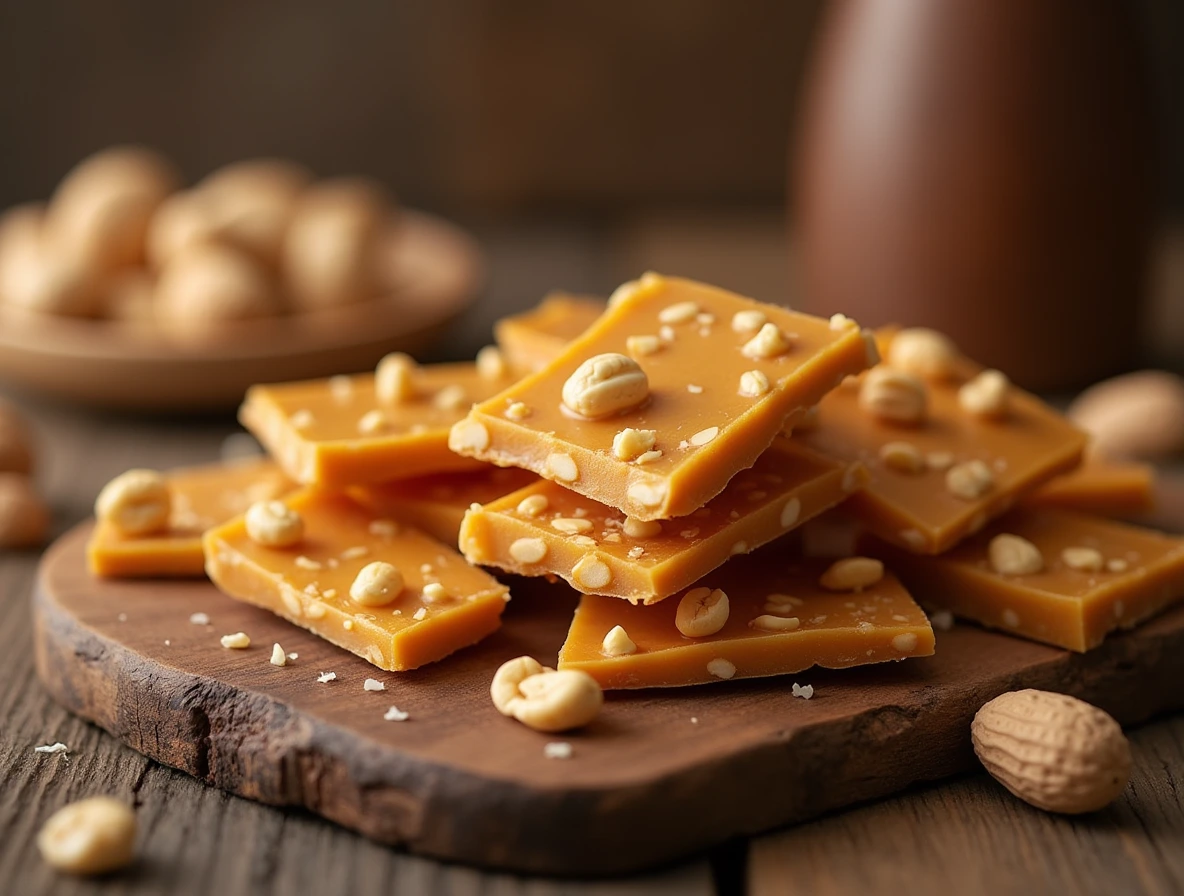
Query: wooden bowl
[[435, 270]]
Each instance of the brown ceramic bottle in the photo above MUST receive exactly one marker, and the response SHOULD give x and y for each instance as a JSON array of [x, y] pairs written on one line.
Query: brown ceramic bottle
[[983, 167]]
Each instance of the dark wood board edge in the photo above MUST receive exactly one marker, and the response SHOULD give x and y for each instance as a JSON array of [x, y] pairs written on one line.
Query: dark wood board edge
[[250, 744]]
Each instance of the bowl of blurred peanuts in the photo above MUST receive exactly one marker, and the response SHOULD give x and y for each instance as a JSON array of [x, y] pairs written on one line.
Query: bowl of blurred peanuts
[[127, 289]]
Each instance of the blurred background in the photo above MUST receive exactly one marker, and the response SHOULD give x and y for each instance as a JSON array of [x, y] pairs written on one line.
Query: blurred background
[[582, 143]]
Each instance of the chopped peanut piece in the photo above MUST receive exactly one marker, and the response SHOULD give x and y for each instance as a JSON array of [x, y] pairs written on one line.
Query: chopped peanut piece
[[237, 641], [378, 584], [394, 379], [769, 342], [904, 457], [591, 573], [1011, 555], [533, 505], [925, 353], [517, 411], [986, 395], [643, 345], [450, 398], [970, 481], [893, 396], [852, 574], [528, 550], [278, 657], [137, 502], [274, 524], [1082, 559], [617, 643], [678, 313], [606, 384], [701, 612], [491, 364], [769, 623], [748, 321], [562, 467], [630, 444], [753, 384]]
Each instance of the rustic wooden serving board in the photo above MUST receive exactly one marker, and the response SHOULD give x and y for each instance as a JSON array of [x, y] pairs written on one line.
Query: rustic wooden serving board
[[659, 775]]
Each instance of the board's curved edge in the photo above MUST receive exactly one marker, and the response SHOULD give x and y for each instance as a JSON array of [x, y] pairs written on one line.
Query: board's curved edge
[[251, 744]]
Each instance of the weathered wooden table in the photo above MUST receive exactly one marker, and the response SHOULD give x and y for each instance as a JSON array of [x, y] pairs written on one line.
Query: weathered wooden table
[[966, 836]]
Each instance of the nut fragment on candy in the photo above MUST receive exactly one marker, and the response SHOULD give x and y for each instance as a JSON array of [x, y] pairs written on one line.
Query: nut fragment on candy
[[544, 699], [491, 364], [678, 313], [923, 352], [591, 573], [605, 384], [642, 528], [643, 344], [373, 422], [970, 480], [721, 668], [852, 574], [749, 321], [986, 395], [137, 502], [904, 457], [771, 623], [92, 836], [468, 435], [701, 612], [237, 641], [753, 384], [533, 505], [841, 322], [571, 525], [562, 467], [894, 396], [450, 398], [394, 378], [377, 584], [769, 342], [630, 443], [528, 550], [1053, 751], [1082, 559], [517, 411], [1011, 555], [274, 524], [617, 643]]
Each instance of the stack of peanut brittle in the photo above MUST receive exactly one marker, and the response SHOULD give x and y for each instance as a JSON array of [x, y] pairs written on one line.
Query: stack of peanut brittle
[[662, 455]]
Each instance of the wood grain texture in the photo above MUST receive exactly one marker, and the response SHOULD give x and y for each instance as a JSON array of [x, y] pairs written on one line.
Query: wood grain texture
[[973, 838], [647, 784]]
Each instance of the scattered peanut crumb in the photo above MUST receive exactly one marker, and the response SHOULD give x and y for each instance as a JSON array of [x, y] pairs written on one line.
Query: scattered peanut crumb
[[237, 641], [703, 436], [517, 411], [302, 419], [326, 677], [434, 591], [91, 836], [753, 384], [58, 747], [293, 656], [373, 422], [803, 691], [278, 657], [394, 714], [199, 619], [557, 750], [694, 390], [373, 684], [1116, 565], [420, 614]]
